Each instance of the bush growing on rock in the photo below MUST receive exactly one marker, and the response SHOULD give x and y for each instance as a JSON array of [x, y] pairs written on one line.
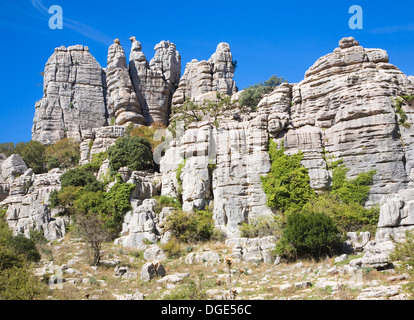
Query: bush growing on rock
[[261, 227], [287, 185], [404, 254], [16, 281], [63, 154], [251, 96], [80, 177], [34, 155], [191, 227], [308, 235], [132, 152]]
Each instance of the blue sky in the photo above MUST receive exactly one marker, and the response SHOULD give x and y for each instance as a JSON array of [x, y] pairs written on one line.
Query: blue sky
[[266, 37]]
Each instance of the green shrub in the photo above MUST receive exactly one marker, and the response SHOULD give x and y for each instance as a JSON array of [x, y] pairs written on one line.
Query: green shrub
[[24, 247], [54, 199], [9, 258], [309, 235], [111, 206], [193, 290], [287, 185], [404, 254], [132, 152], [190, 227], [172, 249], [20, 284], [63, 154], [260, 227], [166, 202], [349, 217], [350, 191], [79, 177], [251, 96], [34, 155]]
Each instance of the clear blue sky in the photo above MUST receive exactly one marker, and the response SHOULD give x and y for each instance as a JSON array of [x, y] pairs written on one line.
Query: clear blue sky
[[266, 37]]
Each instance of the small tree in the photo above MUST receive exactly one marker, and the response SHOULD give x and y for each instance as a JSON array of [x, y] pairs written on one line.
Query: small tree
[[132, 152], [63, 154], [251, 96], [34, 155], [91, 229], [308, 235]]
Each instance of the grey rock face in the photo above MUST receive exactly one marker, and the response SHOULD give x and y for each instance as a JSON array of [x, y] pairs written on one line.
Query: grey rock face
[[201, 77], [396, 215], [344, 108], [123, 102], [74, 96], [12, 167], [28, 205], [98, 140], [222, 167], [155, 82], [140, 225], [252, 250]]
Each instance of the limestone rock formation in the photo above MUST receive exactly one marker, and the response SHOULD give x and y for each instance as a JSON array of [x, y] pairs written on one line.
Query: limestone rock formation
[[155, 82], [28, 205], [98, 140], [123, 104], [344, 108], [201, 77], [221, 166], [12, 167], [74, 96]]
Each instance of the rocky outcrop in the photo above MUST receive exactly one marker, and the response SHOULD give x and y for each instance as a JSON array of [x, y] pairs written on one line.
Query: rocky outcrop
[[98, 140], [155, 82], [140, 225], [201, 77], [74, 96], [123, 104], [220, 168], [344, 108], [12, 167], [28, 205]]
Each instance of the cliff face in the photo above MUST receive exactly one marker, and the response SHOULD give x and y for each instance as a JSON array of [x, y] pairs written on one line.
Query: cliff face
[[74, 96], [344, 108]]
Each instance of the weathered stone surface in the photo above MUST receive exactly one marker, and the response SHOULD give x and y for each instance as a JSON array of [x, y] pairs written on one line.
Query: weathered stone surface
[[28, 205], [206, 257], [221, 165], [123, 102], [346, 95], [201, 77], [255, 250], [12, 167], [154, 253], [152, 270], [396, 215], [140, 225], [155, 82], [98, 140], [74, 96]]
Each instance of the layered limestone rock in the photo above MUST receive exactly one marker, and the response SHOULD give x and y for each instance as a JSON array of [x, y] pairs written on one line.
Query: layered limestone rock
[[28, 205], [221, 168], [155, 82], [344, 108], [140, 225], [74, 96], [201, 77], [12, 167], [123, 104], [98, 140]]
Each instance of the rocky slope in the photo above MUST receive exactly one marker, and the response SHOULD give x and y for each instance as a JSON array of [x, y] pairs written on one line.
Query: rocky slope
[[345, 108]]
